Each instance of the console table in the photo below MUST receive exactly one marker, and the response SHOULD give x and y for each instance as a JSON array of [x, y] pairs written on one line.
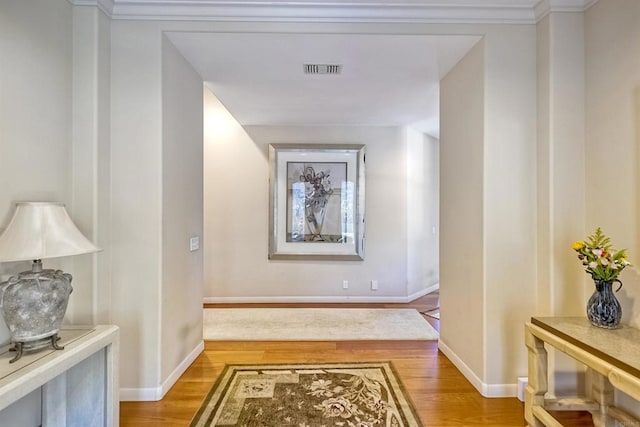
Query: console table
[[612, 358], [77, 386]]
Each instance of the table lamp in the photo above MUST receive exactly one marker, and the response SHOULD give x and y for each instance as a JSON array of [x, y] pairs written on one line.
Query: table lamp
[[33, 303]]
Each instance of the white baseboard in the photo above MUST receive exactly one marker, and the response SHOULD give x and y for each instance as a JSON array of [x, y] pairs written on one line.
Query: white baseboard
[[487, 390], [500, 390], [423, 292], [301, 299], [157, 393], [179, 370], [139, 394], [321, 299], [522, 386]]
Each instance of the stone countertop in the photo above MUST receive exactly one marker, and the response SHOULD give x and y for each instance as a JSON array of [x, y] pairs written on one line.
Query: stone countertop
[[620, 347]]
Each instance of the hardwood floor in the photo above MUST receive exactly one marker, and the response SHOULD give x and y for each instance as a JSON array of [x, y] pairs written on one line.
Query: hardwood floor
[[440, 393]]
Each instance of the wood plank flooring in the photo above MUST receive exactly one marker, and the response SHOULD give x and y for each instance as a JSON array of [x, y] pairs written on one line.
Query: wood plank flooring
[[440, 393]]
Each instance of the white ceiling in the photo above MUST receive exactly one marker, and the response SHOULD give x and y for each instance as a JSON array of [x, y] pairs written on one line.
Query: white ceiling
[[389, 80], [386, 80]]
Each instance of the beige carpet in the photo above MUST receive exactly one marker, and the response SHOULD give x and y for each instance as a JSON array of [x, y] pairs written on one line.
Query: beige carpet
[[328, 394], [315, 324], [433, 313]]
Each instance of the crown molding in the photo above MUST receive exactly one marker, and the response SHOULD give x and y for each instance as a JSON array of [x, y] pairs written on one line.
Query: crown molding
[[371, 11], [545, 7], [324, 11], [105, 6]]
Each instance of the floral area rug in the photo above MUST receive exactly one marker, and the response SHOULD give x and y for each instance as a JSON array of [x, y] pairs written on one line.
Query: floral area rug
[[364, 394]]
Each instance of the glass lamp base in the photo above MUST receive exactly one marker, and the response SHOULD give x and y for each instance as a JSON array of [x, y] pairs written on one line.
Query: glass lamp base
[[33, 305]]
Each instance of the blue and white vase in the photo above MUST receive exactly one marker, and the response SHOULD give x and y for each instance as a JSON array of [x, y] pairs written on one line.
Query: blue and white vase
[[603, 308]]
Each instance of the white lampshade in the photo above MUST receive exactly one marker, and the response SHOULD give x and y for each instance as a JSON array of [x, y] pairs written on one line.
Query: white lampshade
[[40, 230]]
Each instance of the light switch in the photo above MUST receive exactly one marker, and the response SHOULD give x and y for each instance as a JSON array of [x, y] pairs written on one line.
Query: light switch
[[194, 243]]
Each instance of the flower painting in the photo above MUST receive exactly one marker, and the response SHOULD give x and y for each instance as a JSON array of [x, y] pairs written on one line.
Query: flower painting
[[316, 206], [314, 209]]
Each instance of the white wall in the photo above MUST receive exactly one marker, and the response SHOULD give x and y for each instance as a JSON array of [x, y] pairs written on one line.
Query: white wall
[[35, 131], [461, 211], [612, 143], [236, 215], [560, 159], [488, 191], [156, 161], [102, 214], [612, 136], [509, 202], [136, 208], [91, 163], [560, 178], [182, 211], [35, 111], [422, 211]]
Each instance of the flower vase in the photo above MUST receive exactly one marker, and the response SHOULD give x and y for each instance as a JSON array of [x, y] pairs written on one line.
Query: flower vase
[[315, 210], [603, 308]]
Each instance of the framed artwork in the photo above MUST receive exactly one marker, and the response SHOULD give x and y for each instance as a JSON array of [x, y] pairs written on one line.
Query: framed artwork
[[316, 208]]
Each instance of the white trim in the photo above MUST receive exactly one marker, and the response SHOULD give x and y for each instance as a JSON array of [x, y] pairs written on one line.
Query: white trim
[[462, 367], [545, 7], [419, 11], [423, 292], [304, 299], [487, 390], [139, 394], [324, 12], [589, 3], [319, 299], [104, 5], [500, 390], [181, 368], [157, 393]]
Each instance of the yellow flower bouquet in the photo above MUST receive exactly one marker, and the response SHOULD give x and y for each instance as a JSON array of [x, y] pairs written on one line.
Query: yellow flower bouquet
[[601, 261], [604, 264]]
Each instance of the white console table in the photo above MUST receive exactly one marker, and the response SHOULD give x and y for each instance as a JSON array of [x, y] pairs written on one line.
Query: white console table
[[612, 358], [79, 385]]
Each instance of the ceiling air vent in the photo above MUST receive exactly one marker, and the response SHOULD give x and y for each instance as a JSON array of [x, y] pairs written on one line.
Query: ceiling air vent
[[322, 68]]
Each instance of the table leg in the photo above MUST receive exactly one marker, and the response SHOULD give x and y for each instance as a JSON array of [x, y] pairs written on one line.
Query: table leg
[[601, 392], [537, 382], [112, 397]]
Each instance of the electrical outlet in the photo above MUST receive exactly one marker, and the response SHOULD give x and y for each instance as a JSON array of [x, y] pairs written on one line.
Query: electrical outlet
[[345, 284], [194, 243], [374, 285]]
